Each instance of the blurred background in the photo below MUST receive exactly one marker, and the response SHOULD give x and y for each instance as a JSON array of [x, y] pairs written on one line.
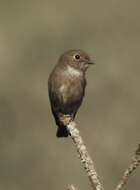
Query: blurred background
[[33, 34]]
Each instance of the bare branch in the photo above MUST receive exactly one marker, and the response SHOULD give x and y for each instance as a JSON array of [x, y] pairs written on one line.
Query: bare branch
[[133, 166], [71, 187], [82, 153], [89, 164]]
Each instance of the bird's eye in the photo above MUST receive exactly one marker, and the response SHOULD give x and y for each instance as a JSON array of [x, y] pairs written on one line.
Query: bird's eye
[[77, 56]]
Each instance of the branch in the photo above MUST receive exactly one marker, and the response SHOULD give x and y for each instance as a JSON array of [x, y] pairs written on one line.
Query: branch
[[82, 153], [71, 187], [89, 164], [133, 166]]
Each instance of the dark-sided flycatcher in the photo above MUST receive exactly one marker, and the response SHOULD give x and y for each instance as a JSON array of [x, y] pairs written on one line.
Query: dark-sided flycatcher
[[66, 86]]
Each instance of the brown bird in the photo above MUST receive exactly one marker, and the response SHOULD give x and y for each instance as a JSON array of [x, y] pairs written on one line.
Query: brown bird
[[66, 86]]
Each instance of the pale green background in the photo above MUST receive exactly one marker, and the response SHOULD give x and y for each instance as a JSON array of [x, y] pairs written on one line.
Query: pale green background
[[32, 36]]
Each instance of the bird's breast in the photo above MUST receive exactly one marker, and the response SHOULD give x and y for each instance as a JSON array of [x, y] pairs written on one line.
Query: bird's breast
[[71, 90]]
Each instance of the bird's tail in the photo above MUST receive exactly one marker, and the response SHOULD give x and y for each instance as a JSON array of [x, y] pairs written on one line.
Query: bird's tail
[[62, 132]]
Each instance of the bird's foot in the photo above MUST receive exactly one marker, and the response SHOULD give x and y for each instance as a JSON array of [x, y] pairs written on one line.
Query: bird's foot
[[66, 119]]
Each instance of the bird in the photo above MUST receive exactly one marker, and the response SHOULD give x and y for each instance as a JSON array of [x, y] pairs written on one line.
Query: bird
[[66, 86]]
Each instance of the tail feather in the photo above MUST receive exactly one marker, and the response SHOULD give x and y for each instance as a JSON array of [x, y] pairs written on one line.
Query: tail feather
[[62, 132]]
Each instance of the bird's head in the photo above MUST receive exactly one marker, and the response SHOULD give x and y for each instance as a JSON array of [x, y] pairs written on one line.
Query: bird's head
[[77, 59]]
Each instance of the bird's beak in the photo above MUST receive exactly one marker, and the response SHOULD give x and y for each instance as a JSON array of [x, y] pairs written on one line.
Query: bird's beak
[[91, 63]]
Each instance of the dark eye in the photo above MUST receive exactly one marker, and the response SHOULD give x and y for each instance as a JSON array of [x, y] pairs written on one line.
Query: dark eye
[[77, 56]]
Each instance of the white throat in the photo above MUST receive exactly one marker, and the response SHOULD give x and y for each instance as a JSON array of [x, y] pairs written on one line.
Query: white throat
[[73, 71]]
